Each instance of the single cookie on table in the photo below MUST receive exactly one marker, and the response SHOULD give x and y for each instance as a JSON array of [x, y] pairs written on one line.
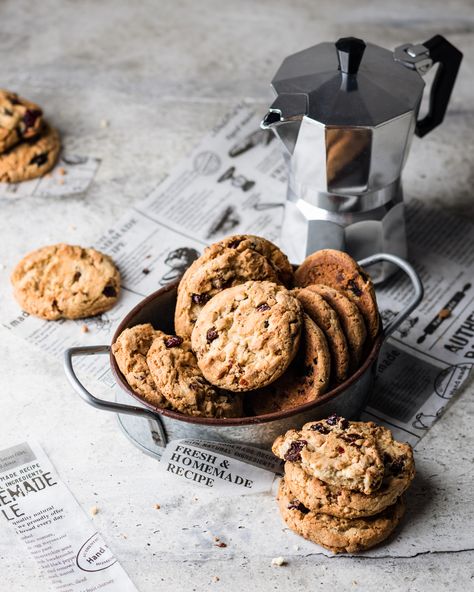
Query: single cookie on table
[[327, 320], [246, 336], [305, 380], [352, 322], [66, 281], [339, 535], [323, 498], [30, 158], [20, 119], [130, 351], [174, 369], [339, 271], [337, 452], [228, 269]]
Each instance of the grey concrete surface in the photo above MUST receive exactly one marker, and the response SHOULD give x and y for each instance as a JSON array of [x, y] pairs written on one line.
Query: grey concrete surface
[[163, 73]]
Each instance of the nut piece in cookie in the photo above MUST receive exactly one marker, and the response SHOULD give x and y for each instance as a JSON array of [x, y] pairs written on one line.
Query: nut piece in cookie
[[339, 535], [245, 337], [30, 158], [203, 281], [339, 271], [65, 281], [130, 352], [177, 376], [336, 453], [327, 320], [306, 378], [20, 119], [352, 322]]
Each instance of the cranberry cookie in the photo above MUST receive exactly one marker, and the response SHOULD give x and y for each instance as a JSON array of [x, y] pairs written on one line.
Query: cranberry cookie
[[20, 119], [246, 336]]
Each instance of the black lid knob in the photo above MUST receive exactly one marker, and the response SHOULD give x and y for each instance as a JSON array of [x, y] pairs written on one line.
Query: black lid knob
[[349, 53]]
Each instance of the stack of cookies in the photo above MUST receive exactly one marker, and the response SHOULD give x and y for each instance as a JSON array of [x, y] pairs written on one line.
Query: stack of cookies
[[343, 482], [247, 341], [29, 146]]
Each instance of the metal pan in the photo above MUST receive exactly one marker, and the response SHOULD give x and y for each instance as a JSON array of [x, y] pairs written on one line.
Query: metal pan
[[347, 399]]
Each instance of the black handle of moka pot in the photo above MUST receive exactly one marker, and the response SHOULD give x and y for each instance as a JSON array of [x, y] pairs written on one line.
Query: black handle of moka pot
[[449, 59]]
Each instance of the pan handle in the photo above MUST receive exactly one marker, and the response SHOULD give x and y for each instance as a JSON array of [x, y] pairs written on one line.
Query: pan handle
[[91, 350], [415, 282]]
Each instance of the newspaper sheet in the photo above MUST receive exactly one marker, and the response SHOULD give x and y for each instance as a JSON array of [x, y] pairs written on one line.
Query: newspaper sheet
[[234, 182]]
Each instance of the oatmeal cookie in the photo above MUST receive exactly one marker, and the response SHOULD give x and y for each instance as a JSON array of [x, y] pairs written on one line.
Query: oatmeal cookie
[[339, 535], [174, 369], [339, 271], [66, 281], [245, 337]]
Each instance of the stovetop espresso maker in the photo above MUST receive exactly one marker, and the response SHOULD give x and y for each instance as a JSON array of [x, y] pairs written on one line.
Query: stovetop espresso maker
[[346, 114]]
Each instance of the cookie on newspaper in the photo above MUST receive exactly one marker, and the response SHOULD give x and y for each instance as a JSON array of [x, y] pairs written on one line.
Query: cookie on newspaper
[[30, 158], [130, 350], [66, 281], [245, 337], [339, 535], [177, 376], [339, 271], [339, 452], [228, 269], [305, 380], [20, 119]]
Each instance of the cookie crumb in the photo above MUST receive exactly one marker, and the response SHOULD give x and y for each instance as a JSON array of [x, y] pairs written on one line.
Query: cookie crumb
[[94, 510], [84, 329], [145, 271], [104, 123], [444, 313], [219, 543], [354, 582], [215, 578], [61, 181], [124, 536], [157, 506], [72, 227], [62, 171], [278, 561]]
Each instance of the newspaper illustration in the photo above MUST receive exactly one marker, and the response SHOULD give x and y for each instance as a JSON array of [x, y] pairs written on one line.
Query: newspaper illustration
[[235, 182], [72, 174], [44, 515]]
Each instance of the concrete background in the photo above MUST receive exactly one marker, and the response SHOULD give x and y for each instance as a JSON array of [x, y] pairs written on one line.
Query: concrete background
[[163, 73]]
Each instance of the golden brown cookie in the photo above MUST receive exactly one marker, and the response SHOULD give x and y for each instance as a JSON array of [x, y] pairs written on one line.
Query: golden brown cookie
[[246, 336], [130, 350], [20, 119], [339, 452], [352, 322], [205, 280], [322, 498], [306, 378], [339, 271], [241, 242], [339, 535], [30, 158], [65, 281], [327, 320], [174, 369]]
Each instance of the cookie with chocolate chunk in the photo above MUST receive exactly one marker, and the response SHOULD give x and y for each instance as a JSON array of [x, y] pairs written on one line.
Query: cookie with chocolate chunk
[[130, 351], [20, 119], [305, 380], [174, 369], [30, 158], [339, 535], [203, 281], [339, 271], [66, 282], [246, 336]]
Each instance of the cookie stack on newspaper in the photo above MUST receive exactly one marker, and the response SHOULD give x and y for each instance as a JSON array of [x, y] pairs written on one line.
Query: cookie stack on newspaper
[[343, 482]]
